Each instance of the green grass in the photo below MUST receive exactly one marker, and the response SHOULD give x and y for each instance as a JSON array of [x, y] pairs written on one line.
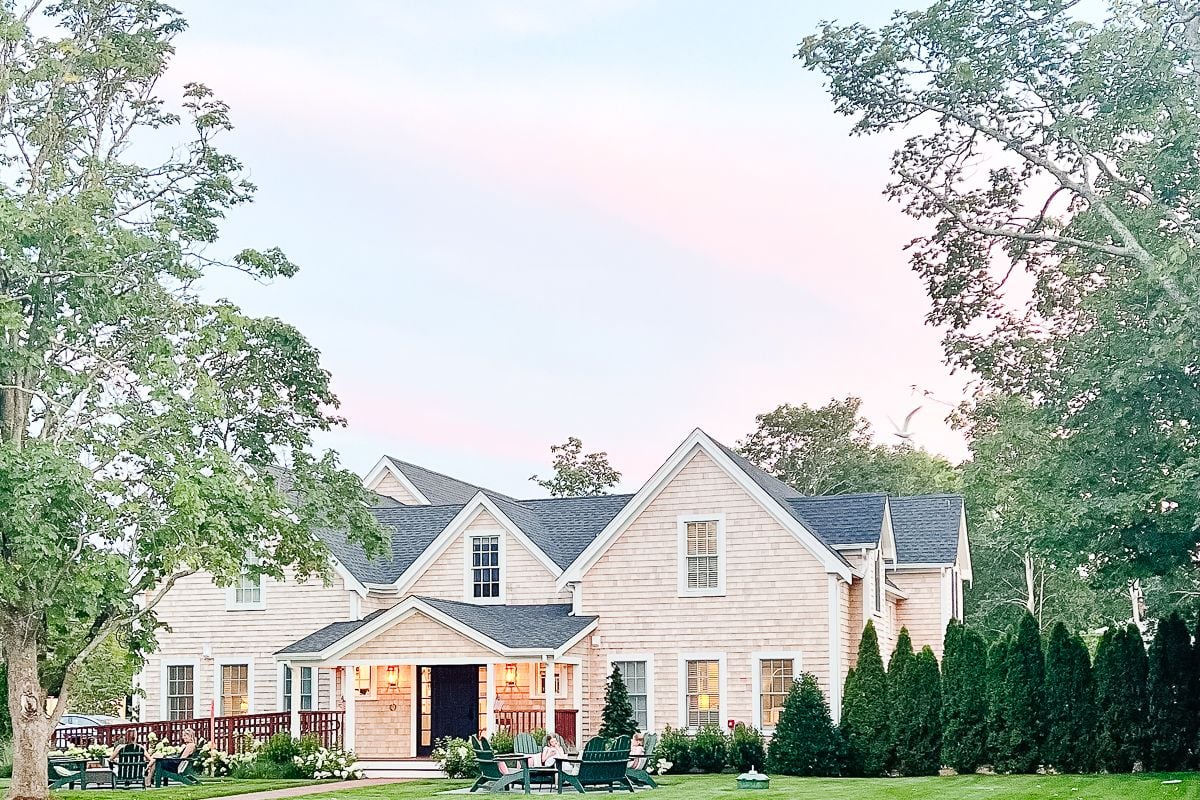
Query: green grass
[[970, 787], [210, 787]]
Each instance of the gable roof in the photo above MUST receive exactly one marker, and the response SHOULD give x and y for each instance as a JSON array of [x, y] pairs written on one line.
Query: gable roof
[[926, 528], [439, 489], [843, 519]]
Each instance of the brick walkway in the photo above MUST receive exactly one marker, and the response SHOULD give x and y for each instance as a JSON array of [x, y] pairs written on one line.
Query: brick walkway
[[316, 788]]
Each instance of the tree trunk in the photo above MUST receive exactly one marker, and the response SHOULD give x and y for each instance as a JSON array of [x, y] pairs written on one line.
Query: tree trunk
[[31, 724], [1030, 586]]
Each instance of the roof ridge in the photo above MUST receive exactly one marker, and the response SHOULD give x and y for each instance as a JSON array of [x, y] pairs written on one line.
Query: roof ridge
[[575, 497], [475, 486], [836, 496]]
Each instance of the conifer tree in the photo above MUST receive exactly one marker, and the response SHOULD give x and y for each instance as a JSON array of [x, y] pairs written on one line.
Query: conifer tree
[[917, 701], [617, 717], [1070, 704], [805, 741], [1023, 683], [897, 675], [1171, 725], [865, 725], [997, 715], [1121, 672], [964, 699]]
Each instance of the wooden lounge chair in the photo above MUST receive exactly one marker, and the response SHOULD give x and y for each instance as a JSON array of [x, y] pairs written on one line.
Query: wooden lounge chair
[[524, 744], [184, 771], [498, 774], [67, 772], [601, 765], [639, 766], [129, 767]]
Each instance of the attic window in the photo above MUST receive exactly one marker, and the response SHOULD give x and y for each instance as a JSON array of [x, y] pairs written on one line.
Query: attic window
[[701, 555]]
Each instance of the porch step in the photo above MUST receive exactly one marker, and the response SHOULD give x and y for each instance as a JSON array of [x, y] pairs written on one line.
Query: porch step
[[401, 768]]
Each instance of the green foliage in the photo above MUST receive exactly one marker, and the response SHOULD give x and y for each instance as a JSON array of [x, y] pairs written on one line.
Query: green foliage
[[675, 747], [1172, 683], [5, 718], [829, 450], [917, 695], [805, 741], [576, 474], [501, 742], [261, 769], [455, 758], [617, 717], [1070, 704], [1020, 749], [901, 659], [280, 749], [865, 725], [709, 749], [997, 712], [1121, 672], [964, 699], [747, 748]]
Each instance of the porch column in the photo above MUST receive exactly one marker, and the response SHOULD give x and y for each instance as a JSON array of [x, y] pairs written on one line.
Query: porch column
[[349, 695], [294, 699], [577, 693], [550, 696], [491, 700]]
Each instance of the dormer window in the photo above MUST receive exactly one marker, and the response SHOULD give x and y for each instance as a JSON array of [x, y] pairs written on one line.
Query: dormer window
[[485, 579]]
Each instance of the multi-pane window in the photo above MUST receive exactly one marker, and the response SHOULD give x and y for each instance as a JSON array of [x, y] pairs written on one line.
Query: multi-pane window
[[703, 693], [776, 676], [246, 593], [634, 675], [879, 579], [181, 694], [235, 689], [539, 686], [306, 688], [703, 569], [485, 566]]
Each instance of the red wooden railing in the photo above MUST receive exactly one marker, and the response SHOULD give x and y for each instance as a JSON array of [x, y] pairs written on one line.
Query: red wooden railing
[[523, 721], [225, 733]]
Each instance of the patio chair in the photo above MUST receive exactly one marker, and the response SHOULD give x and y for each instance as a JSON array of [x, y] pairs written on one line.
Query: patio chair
[[499, 774], [67, 772], [129, 767], [524, 744], [601, 765], [639, 766], [183, 771]]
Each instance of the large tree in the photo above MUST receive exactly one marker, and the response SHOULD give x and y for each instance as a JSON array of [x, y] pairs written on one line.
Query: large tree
[[1171, 692], [964, 698], [830, 450], [1054, 158], [917, 698], [144, 434], [1024, 677], [1121, 703], [577, 474]]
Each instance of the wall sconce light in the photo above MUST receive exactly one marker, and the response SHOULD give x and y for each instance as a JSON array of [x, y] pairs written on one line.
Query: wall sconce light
[[510, 675], [393, 676], [362, 680]]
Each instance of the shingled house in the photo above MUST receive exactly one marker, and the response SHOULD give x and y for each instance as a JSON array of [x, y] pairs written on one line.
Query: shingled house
[[711, 588]]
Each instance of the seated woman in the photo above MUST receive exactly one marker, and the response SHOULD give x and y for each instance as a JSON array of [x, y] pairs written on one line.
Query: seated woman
[[552, 751], [637, 751], [171, 763]]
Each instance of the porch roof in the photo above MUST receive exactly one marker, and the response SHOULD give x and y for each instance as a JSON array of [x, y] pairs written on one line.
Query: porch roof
[[514, 627]]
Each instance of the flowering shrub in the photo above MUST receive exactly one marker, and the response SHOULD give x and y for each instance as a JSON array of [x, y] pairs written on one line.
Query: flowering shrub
[[326, 763], [215, 762], [455, 758], [659, 767]]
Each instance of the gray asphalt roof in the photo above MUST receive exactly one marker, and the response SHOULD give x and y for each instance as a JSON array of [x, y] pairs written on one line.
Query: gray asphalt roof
[[520, 627], [411, 528], [844, 518], [926, 528], [439, 489], [574, 522]]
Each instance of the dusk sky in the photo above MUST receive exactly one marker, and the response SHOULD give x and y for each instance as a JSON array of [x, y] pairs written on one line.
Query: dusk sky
[[519, 221]]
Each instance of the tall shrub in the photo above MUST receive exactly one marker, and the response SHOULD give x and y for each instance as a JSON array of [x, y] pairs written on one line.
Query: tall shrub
[[964, 699], [865, 726], [1171, 725], [897, 675], [1070, 704], [617, 717], [1121, 673], [917, 699], [1023, 683], [710, 749], [997, 714], [805, 741], [747, 748]]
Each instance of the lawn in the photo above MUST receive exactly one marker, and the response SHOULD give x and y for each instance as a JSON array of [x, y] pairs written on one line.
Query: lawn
[[211, 787], [1007, 787]]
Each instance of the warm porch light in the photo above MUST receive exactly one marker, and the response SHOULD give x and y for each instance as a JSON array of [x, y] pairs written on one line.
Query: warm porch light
[[703, 702], [393, 676], [362, 680], [510, 674]]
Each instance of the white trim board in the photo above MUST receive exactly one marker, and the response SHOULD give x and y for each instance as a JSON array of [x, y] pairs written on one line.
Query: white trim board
[[385, 466], [681, 523], [218, 694], [468, 565], [194, 663]]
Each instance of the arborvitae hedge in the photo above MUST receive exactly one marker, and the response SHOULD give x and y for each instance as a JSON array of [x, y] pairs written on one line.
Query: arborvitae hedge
[[805, 741], [917, 700], [1121, 672], [1070, 704], [997, 716], [897, 674], [964, 698], [1023, 681], [866, 727], [1171, 724], [617, 717]]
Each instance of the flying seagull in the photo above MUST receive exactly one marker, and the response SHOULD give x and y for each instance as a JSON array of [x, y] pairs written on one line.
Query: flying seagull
[[902, 431]]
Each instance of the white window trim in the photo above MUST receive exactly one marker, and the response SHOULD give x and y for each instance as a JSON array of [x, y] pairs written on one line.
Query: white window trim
[[468, 582], [756, 659], [681, 523], [194, 663], [722, 683], [372, 692], [879, 573], [218, 687], [535, 691], [280, 695], [231, 603], [649, 659]]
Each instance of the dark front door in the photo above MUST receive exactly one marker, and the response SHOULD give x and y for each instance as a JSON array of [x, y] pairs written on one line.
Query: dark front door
[[453, 693]]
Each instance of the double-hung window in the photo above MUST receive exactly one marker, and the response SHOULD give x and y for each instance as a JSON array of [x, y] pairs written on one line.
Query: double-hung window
[[181, 691], [235, 689], [703, 679], [701, 555], [776, 676], [306, 688], [485, 567], [633, 673], [246, 594]]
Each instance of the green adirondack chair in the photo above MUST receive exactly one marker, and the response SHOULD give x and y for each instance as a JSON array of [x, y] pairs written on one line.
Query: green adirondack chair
[[639, 766], [184, 771], [67, 772], [601, 765], [129, 767], [498, 774]]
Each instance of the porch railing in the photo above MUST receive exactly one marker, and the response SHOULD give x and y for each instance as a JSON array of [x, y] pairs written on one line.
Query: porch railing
[[225, 733], [523, 721]]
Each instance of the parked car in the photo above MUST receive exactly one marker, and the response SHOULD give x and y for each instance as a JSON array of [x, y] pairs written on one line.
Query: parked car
[[87, 720]]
